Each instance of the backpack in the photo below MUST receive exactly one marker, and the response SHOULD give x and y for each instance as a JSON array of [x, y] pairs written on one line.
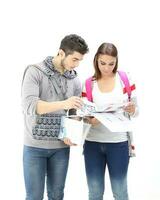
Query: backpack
[[128, 89]]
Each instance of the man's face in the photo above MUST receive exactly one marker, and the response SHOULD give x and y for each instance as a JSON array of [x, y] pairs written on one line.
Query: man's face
[[71, 61]]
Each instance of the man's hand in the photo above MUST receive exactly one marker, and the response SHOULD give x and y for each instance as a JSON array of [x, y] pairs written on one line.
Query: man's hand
[[73, 102], [68, 142]]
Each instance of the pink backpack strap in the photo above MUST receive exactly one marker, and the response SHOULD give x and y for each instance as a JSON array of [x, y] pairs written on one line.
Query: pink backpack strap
[[88, 85], [126, 83]]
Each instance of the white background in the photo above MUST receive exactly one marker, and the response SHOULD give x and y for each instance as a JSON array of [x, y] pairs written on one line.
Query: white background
[[31, 30]]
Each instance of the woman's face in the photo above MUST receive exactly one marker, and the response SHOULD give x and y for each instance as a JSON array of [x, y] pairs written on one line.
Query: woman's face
[[106, 64]]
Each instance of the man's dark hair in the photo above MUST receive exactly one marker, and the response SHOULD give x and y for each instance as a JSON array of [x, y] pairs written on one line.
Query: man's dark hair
[[73, 42]]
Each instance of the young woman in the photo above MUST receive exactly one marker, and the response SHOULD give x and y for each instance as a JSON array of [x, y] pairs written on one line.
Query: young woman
[[102, 147]]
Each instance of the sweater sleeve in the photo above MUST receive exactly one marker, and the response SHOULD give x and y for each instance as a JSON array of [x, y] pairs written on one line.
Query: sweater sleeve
[[30, 90]]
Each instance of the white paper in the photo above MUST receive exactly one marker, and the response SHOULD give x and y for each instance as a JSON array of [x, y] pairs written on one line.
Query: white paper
[[114, 122], [74, 129], [89, 108]]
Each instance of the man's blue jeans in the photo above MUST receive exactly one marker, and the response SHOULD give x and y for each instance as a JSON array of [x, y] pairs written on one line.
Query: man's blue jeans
[[38, 163], [116, 157]]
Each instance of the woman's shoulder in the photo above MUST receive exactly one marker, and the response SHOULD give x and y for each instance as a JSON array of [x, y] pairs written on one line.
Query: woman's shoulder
[[128, 75]]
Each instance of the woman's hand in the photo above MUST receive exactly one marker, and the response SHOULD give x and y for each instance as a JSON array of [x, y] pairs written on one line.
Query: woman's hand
[[92, 120], [68, 142], [130, 108]]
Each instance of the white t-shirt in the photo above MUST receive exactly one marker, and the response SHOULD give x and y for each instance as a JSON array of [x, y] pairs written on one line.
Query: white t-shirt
[[100, 133]]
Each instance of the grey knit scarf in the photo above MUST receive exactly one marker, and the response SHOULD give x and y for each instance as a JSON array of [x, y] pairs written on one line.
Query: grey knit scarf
[[67, 74]]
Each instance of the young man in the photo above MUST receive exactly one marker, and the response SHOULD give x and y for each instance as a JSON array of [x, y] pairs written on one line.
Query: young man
[[49, 89]]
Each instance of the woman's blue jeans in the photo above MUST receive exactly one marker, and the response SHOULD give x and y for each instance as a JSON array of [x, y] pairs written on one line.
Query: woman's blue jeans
[[40, 163], [116, 157]]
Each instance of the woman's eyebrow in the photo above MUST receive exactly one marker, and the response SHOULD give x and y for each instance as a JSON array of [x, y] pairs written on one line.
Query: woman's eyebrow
[[112, 62], [102, 61]]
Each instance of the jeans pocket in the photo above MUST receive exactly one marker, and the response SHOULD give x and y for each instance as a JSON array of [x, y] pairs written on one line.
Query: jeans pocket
[[123, 144]]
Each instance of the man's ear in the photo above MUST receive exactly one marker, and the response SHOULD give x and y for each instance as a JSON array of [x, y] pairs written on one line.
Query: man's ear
[[61, 53]]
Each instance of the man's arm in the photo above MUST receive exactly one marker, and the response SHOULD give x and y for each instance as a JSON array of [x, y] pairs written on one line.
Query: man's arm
[[47, 107], [31, 102], [43, 107]]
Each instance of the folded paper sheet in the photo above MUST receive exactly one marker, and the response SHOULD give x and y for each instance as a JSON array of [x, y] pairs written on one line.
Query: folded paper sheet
[[74, 128]]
